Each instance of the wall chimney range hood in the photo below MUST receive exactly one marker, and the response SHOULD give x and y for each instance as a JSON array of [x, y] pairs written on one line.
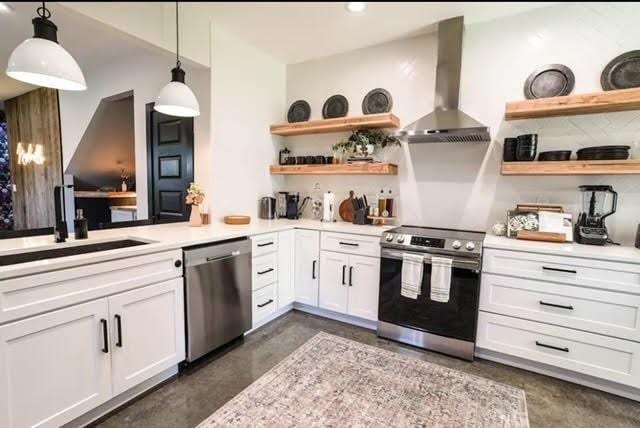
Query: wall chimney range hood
[[447, 124]]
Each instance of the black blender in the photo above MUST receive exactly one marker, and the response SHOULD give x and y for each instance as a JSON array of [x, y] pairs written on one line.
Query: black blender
[[598, 203]]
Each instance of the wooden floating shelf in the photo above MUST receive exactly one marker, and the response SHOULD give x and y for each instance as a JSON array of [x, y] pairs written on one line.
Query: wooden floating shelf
[[336, 169], [341, 124], [597, 102], [596, 167]]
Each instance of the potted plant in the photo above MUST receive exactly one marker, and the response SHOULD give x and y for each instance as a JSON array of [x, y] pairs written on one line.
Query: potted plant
[[364, 142], [195, 198]]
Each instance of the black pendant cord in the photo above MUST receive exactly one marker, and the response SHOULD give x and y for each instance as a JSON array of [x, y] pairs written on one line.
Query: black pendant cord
[[43, 12], [177, 39]]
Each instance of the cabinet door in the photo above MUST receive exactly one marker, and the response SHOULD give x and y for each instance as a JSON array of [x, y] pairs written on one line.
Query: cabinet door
[[307, 254], [54, 367], [334, 280], [285, 268], [364, 283], [147, 332]]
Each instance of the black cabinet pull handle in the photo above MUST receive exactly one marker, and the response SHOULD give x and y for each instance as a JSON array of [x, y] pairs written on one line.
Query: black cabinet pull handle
[[177, 263], [119, 330], [344, 269], [265, 244], [350, 276], [557, 348], [313, 270], [265, 271], [105, 336], [569, 307], [349, 244], [559, 270], [265, 303]]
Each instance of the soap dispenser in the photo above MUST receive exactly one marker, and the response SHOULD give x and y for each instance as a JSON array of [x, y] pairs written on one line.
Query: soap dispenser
[[81, 229]]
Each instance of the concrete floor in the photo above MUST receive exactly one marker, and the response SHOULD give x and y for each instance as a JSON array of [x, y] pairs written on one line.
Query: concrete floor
[[191, 397]]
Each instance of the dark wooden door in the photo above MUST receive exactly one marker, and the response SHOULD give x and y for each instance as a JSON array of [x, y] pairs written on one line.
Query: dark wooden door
[[169, 165]]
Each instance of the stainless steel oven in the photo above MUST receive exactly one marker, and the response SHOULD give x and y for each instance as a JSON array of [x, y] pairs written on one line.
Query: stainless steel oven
[[448, 327]]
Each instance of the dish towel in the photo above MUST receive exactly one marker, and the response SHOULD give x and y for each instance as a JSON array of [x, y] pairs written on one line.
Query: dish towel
[[440, 279], [412, 267]]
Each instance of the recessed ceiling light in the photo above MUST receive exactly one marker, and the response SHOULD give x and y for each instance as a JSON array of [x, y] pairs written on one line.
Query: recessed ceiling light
[[5, 8], [356, 6]]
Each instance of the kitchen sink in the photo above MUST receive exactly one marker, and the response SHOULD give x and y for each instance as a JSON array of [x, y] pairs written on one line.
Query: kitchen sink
[[72, 250]]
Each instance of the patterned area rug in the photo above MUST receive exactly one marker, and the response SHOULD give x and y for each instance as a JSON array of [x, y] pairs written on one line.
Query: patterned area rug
[[331, 381]]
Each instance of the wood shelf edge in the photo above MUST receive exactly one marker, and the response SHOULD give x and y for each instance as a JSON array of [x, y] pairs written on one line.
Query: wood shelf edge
[[598, 167], [335, 169], [341, 124]]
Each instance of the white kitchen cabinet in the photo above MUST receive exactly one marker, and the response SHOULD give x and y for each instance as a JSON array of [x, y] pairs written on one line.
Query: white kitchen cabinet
[[286, 260], [55, 367], [147, 327], [334, 277], [364, 287], [349, 284], [307, 254]]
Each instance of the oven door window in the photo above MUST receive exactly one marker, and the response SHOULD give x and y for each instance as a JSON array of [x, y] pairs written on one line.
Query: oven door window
[[456, 318]]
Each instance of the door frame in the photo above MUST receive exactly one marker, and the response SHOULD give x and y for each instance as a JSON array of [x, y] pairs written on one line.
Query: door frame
[[150, 164]]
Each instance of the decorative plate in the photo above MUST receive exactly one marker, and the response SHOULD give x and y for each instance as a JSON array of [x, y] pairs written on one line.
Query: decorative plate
[[335, 106], [378, 100], [551, 80], [300, 111], [622, 72]]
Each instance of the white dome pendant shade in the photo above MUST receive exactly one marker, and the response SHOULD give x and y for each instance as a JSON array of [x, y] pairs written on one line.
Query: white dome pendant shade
[[42, 61], [176, 99]]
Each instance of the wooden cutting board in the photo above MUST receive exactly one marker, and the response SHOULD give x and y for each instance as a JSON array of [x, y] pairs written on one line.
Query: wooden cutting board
[[541, 236], [237, 219], [346, 208]]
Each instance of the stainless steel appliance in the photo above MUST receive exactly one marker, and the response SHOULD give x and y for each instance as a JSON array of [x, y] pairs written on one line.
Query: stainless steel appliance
[[217, 294], [267, 208], [598, 203], [448, 327], [447, 123]]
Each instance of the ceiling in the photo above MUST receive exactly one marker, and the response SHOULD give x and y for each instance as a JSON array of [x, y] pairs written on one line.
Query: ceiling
[[300, 31], [107, 44]]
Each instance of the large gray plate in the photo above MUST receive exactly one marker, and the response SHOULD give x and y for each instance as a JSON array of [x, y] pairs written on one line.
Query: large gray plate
[[551, 80], [622, 72], [378, 100]]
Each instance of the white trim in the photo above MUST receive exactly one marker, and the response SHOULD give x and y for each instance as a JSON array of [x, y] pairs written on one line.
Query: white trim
[[371, 325]]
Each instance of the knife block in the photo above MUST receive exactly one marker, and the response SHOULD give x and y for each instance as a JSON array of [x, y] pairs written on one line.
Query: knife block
[[360, 216]]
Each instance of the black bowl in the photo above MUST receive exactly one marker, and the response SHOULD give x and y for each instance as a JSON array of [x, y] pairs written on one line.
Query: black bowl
[[509, 149], [555, 155], [526, 154]]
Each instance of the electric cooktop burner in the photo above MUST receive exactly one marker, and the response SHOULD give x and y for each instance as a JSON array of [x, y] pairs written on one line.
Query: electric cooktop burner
[[434, 240]]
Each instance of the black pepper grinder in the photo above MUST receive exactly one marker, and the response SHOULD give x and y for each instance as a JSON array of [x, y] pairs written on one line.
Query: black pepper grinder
[[81, 229]]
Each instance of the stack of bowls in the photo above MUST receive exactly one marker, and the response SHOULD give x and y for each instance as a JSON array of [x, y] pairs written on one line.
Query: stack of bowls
[[527, 147], [509, 149]]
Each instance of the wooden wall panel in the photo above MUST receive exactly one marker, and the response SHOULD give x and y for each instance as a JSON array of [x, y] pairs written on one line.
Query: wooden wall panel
[[33, 118]]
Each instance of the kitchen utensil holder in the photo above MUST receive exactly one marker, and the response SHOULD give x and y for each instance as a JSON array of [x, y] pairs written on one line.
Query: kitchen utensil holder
[[360, 216]]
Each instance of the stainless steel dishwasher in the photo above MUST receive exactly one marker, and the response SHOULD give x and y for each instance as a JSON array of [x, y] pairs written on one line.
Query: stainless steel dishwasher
[[217, 294]]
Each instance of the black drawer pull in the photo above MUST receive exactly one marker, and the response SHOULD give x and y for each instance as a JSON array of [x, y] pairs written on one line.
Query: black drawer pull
[[344, 268], [313, 270], [559, 270], [557, 348], [350, 276], [349, 244], [265, 244], [105, 336], [265, 271], [266, 303], [119, 329], [569, 307]]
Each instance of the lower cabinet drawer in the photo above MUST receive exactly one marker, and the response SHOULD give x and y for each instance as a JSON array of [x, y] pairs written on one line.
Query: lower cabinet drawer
[[604, 357], [597, 311], [264, 244], [353, 244], [264, 303], [264, 270]]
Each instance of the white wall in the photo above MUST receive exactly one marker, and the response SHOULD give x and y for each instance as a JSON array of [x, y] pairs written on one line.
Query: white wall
[[145, 73], [459, 186], [247, 94]]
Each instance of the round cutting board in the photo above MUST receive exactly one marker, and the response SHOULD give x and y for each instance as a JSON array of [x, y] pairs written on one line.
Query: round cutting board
[[346, 208], [237, 219]]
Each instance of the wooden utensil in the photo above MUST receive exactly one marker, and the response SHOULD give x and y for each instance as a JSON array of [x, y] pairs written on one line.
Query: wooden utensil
[[237, 219], [542, 236], [346, 208]]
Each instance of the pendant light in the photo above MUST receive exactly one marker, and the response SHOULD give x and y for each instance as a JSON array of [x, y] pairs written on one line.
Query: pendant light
[[176, 99], [42, 61]]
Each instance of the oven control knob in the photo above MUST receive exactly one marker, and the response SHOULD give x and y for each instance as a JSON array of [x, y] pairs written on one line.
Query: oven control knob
[[470, 246], [388, 237], [400, 239], [456, 245]]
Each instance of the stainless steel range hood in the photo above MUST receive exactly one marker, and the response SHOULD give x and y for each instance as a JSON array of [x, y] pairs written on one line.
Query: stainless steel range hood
[[447, 124]]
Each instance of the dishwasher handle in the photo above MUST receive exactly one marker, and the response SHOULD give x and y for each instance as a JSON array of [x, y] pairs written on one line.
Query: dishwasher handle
[[219, 258]]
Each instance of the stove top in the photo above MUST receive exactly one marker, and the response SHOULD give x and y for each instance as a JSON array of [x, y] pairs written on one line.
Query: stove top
[[433, 240]]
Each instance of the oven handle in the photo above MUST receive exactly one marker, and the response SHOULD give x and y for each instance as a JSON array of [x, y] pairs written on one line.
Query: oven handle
[[474, 265]]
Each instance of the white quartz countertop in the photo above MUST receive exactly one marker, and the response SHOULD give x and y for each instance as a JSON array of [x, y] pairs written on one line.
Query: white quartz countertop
[[162, 237], [618, 253]]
